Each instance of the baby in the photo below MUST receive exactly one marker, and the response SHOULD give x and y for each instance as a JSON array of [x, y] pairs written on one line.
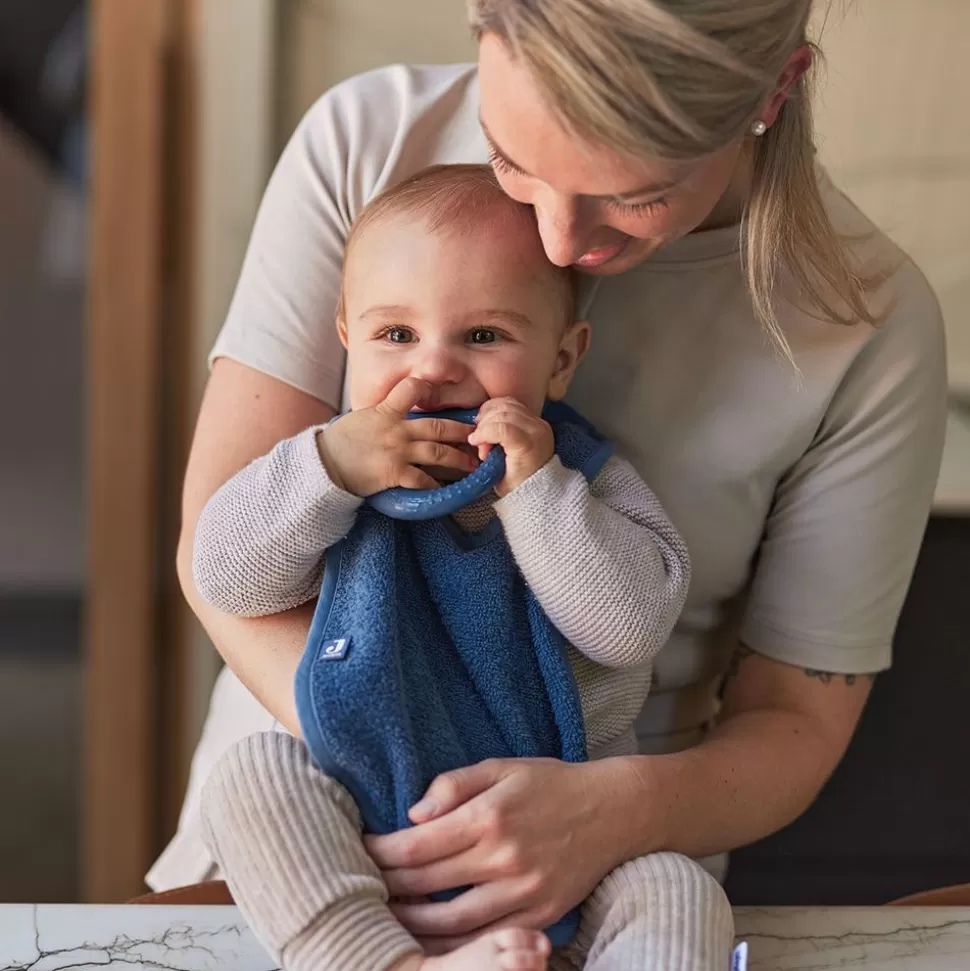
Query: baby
[[448, 302]]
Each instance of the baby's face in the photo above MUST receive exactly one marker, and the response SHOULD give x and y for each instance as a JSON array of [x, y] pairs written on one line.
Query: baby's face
[[476, 314]]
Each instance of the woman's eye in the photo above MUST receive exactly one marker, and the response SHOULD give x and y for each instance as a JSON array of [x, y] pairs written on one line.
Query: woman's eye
[[399, 335], [482, 336]]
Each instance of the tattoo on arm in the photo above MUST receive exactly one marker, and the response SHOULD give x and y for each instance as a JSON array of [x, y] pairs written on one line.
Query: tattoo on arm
[[742, 652], [827, 677]]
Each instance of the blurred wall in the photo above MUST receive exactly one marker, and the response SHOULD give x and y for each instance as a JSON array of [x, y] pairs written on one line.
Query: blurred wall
[[42, 549], [324, 41], [894, 123], [892, 109]]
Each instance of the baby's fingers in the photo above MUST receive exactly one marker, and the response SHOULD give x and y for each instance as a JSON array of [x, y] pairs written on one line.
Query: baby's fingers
[[413, 478], [496, 432], [437, 430], [440, 456]]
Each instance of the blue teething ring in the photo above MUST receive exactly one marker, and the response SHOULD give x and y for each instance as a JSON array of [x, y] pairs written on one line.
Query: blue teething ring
[[433, 503]]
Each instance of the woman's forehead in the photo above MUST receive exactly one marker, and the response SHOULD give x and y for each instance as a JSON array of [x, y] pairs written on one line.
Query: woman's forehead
[[526, 132]]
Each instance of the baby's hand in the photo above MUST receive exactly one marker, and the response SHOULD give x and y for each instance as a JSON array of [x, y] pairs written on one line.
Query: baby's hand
[[379, 448], [527, 439]]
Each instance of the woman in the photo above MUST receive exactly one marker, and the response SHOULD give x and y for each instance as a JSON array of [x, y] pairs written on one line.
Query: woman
[[769, 362]]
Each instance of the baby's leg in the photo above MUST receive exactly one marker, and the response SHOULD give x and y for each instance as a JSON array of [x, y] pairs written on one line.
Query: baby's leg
[[661, 912], [287, 838]]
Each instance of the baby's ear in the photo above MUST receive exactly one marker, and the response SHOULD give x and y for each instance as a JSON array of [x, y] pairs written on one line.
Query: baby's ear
[[582, 334], [572, 349], [342, 322]]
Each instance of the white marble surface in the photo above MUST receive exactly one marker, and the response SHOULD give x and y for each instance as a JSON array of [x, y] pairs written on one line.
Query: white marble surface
[[67, 937], [887, 938], [55, 937]]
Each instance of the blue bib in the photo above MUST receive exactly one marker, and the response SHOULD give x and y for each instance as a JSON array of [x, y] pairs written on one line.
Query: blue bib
[[428, 652]]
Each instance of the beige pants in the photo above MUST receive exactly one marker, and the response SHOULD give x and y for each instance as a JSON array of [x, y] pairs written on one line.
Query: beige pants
[[288, 841]]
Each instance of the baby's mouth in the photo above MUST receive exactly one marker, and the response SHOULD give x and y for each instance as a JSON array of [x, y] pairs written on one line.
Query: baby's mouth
[[428, 405]]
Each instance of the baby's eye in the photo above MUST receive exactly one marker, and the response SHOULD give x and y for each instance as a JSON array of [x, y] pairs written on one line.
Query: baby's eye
[[399, 335], [482, 335]]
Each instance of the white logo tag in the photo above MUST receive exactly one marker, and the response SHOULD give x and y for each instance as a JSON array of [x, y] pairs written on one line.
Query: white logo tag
[[335, 650]]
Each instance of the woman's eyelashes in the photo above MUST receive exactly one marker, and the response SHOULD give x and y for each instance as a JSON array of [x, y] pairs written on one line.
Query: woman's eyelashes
[[503, 166], [637, 208]]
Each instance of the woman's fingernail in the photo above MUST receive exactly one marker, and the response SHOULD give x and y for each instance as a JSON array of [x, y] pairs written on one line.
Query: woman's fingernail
[[425, 808]]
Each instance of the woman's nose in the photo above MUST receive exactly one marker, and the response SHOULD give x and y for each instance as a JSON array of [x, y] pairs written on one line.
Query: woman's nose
[[561, 227]]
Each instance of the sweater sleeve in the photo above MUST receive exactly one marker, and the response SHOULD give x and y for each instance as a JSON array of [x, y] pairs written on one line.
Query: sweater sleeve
[[260, 540], [603, 559]]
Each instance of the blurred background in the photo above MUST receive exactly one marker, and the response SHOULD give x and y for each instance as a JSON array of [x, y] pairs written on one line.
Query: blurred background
[[135, 141]]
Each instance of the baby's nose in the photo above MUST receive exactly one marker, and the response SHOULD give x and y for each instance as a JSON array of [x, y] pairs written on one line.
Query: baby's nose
[[438, 366]]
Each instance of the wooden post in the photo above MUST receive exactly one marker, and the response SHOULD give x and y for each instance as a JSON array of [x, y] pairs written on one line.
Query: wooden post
[[126, 312]]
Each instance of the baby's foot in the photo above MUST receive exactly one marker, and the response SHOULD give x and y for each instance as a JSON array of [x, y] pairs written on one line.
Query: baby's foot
[[512, 949]]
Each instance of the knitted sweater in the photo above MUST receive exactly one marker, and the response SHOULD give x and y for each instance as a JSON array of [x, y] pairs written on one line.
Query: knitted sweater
[[605, 563]]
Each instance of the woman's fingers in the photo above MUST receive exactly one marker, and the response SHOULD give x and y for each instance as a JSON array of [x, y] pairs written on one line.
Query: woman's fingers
[[453, 789], [483, 906], [411, 882], [420, 845]]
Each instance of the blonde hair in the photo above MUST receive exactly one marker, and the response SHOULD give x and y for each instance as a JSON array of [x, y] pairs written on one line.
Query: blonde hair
[[679, 79], [458, 198]]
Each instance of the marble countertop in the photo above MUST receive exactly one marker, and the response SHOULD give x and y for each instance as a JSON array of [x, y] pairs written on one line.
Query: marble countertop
[[53, 937], [953, 487]]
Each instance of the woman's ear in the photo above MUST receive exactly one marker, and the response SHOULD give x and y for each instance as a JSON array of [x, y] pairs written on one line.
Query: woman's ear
[[572, 349], [798, 64]]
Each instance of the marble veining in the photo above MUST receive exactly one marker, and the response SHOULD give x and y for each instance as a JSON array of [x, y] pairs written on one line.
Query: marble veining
[[891, 938], [157, 938], [77, 938]]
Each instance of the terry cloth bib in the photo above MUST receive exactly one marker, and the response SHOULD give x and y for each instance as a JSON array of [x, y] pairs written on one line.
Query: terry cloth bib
[[428, 652]]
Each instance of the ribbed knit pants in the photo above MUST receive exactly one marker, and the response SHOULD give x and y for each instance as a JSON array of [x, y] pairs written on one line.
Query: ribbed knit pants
[[287, 839]]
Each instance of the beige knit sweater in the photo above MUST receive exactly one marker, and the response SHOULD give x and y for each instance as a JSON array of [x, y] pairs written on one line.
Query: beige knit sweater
[[605, 563]]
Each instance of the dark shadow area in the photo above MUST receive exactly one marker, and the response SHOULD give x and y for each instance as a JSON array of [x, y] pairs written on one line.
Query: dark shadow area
[[895, 817]]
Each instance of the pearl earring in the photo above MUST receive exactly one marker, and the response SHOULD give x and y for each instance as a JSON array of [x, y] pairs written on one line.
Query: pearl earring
[[758, 129]]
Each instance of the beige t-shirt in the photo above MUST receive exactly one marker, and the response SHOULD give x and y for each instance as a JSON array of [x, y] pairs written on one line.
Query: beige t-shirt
[[802, 498]]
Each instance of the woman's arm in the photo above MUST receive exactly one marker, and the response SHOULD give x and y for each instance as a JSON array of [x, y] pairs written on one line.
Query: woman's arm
[[244, 414], [781, 733]]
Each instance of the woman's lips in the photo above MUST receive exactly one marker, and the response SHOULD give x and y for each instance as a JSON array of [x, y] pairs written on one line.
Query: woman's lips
[[601, 254]]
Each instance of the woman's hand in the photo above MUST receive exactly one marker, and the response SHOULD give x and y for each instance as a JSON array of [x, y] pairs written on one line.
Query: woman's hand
[[532, 837]]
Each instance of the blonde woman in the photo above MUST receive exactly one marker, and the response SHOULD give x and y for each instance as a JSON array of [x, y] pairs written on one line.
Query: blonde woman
[[770, 363]]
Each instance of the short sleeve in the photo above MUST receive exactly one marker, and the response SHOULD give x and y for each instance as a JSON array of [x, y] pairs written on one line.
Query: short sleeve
[[847, 521], [361, 136]]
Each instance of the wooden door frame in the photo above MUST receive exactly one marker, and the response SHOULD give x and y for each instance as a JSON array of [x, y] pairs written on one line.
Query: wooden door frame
[[159, 282]]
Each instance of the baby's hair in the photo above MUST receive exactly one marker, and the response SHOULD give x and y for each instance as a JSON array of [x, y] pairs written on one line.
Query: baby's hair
[[459, 199]]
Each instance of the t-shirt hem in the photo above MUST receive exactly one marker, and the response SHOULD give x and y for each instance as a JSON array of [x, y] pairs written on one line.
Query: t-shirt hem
[[803, 652]]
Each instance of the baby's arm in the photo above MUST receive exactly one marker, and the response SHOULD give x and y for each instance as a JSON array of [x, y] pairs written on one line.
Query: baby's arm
[[260, 540], [605, 562]]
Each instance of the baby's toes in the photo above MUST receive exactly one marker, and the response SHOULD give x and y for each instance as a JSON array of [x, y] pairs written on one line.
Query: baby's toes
[[522, 950]]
